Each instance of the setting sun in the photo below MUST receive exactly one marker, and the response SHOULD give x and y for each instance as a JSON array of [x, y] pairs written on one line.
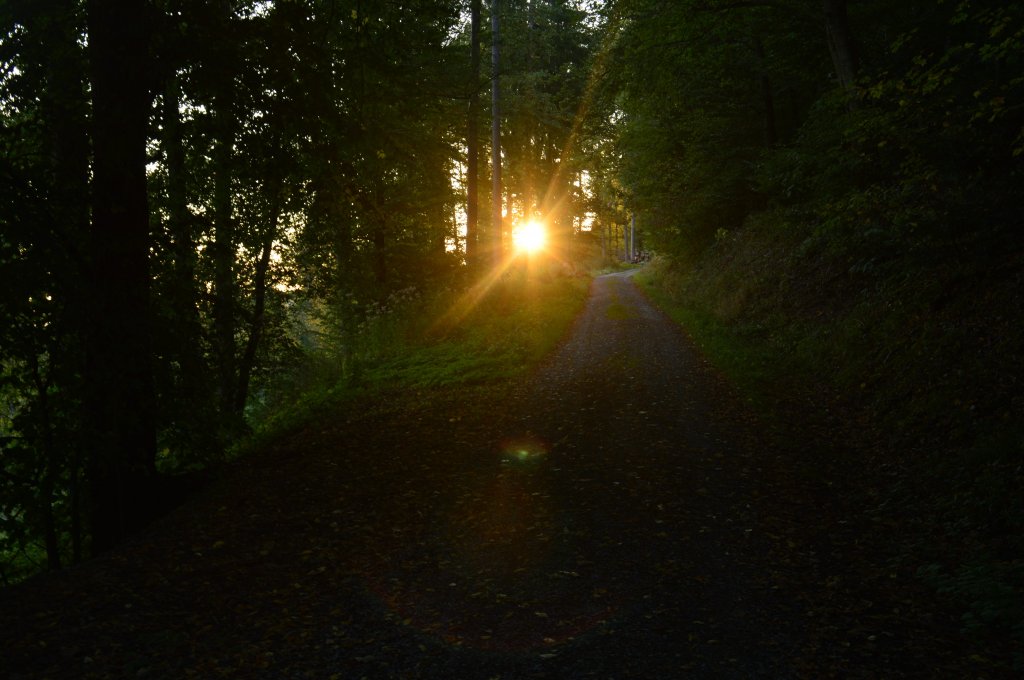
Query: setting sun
[[529, 237]]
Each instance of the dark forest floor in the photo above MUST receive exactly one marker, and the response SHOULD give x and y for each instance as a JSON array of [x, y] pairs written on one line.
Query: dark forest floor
[[619, 514]]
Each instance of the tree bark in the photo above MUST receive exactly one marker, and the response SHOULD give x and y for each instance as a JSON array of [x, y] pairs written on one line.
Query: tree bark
[[530, 156], [187, 327], [122, 426], [472, 138], [177, 192], [63, 109], [840, 43], [224, 245], [496, 225], [378, 238], [259, 303], [51, 467]]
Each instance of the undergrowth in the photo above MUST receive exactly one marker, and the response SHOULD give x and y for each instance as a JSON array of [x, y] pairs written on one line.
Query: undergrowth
[[923, 348], [489, 332]]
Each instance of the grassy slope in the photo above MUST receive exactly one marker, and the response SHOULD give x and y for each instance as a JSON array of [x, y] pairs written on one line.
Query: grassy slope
[[921, 358], [474, 340]]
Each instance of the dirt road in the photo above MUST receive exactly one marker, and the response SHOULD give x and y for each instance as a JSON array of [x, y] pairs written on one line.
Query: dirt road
[[618, 515]]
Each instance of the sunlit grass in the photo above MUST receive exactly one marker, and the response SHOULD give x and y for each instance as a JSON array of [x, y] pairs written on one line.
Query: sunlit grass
[[497, 330], [492, 332], [753, 367]]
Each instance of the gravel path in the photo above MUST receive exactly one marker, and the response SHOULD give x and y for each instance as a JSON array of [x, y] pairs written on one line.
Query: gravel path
[[618, 515]]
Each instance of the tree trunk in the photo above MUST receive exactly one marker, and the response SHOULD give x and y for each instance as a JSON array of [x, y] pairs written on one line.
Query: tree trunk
[[380, 261], [224, 253], [122, 429], [187, 327], [75, 493], [63, 108], [51, 467], [530, 157], [341, 244], [496, 225], [840, 43], [259, 303], [472, 138], [632, 237]]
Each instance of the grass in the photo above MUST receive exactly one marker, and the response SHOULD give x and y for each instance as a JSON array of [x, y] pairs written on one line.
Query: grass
[[749, 364], [467, 338], [924, 351]]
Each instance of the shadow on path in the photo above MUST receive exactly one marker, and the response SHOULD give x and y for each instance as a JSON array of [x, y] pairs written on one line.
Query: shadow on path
[[617, 515]]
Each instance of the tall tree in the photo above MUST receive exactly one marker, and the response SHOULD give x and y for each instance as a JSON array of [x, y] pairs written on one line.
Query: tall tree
[[496, 202], [472, 136], [44, 217], [222, 73], [122, 427], [840, 42]]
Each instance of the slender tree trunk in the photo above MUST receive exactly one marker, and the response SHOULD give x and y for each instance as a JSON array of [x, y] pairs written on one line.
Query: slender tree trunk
[[341, 241], [122, 425], [256, 327], [51, 467], [530, 149], [840, 43], [187, 326], [75, 500], [224, 252], [64, 107], [632, 237], [473, 138], [496, 224], [380, 262], [510, 206], [259, 303], [177, 192]]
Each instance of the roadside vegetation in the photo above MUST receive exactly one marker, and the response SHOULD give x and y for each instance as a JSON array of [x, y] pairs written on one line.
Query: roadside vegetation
[[471, 339], [834, 195], [309, 189], [912, 368]]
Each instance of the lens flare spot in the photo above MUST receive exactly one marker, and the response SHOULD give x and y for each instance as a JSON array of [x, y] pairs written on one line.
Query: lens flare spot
[[522, 450]]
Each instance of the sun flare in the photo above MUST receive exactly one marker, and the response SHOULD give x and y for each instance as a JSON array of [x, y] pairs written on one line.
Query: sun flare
[[529, 237]]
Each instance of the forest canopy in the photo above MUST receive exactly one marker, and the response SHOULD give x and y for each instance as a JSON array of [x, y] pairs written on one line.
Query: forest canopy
[[205, 202]]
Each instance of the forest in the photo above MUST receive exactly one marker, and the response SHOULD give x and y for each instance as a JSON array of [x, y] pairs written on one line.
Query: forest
[[221, 220]]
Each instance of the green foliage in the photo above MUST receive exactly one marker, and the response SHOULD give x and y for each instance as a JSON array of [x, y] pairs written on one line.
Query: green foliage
[[922, 154], [693, 113], [739, 353], [920, 333], [300, 167], [416, 342], [42, 215], [929, 154]]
